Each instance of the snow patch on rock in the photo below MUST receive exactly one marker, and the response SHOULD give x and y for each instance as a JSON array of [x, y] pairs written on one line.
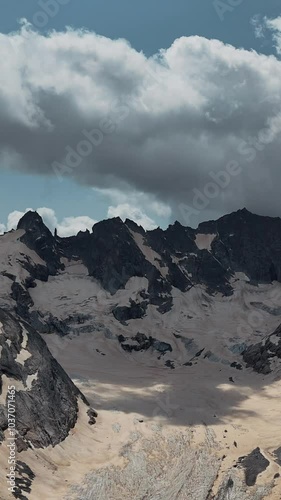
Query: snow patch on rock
[[204, 241]]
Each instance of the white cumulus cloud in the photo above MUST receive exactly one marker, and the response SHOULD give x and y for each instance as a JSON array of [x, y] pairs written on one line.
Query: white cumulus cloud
[[68, 226], [134, 205], [106, 115], [127, 211], [275, 26]]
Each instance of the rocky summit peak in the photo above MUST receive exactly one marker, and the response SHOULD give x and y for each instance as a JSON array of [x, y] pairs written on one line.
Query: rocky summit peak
[[31, 220], [134, 226], [40, 239], [245, 211]]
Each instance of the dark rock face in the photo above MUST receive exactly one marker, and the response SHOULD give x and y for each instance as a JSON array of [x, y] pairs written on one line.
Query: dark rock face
[[92, 414], [55, 325], [8, 275], [143, 343], [170, 364], [24, 479], [258, 356], [248, 243], [194, 265], [253, 464], [22, 298], [36, 271], [134, 227], [177, 240], [112, 256], [134, 311], [236, 365], [277, 453], [51, 324], [40, 239], [47, 411], [243, 242], [29, 282]]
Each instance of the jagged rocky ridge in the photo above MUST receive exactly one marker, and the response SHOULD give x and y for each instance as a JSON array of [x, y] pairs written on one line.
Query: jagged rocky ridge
[[46, 399], [183, 257], [115, 251]]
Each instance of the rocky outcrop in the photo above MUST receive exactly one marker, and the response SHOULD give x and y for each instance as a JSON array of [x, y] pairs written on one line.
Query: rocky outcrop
[[260, 356], [24, 479], [133, 311], [254, 464], [22, 298], [46, 400], [142, 343]]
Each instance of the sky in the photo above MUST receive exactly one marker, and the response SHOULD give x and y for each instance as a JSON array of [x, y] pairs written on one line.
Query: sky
[[155, 111]]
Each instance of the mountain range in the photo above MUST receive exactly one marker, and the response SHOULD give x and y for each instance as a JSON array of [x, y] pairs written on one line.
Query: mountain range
[[132, 349]]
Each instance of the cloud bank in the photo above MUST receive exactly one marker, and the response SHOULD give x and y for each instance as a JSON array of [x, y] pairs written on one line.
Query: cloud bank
[[81, 105]]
